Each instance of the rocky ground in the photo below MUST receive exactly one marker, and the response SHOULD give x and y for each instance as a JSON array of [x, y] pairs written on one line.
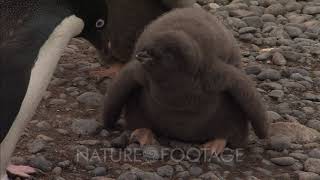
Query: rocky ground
[[281, 52]]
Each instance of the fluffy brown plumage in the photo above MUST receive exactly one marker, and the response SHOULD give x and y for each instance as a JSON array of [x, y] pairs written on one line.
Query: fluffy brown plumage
[[127, 19], [184, 82]]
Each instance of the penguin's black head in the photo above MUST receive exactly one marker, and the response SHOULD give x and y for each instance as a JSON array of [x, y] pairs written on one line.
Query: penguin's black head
[[94, 15]]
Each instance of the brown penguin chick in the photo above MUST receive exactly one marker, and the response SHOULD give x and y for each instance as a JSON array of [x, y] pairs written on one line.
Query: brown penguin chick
[[126, 20], [184, 83]]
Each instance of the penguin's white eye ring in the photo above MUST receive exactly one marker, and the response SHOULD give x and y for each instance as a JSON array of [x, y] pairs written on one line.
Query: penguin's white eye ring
[[99, 23]]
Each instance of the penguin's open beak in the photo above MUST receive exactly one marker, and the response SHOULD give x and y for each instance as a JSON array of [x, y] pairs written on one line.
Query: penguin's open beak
[[143, 57]]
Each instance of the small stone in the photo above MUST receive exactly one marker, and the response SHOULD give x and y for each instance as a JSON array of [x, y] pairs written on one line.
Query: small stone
[[104, 133], [41, 163], [277, 94], [293, 6], [271, 86], [273, 116], [297, 77], [64, 164], [264, 56], [91, 98], [179, 168], [85, 126], [246, 37], [268, 18], [121, 141], [247, 30], [56, 102], [297, 166], [314, 124], [254, 69], [284, 176], [99, 171], [57, 171], [195, 171], [59, 178], [283, 161], [299, 156], [311, 10], [315, 153], [308, 176], [275, 9], [43, 126], [312, 165], [280, 143], [62, 131], [278, 59], [36, 146], [183, 174], [165, 171], [270, 74], [293, 31], [209, 176], [253, 21]]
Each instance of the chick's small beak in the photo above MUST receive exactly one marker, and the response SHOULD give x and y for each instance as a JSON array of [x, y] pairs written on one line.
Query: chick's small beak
[[143, 57]]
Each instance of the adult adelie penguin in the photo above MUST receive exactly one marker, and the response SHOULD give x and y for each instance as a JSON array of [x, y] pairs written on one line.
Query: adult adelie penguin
[[31, 30]]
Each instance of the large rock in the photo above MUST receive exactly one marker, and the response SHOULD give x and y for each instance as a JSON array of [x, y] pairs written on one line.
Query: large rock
[[295, 132]]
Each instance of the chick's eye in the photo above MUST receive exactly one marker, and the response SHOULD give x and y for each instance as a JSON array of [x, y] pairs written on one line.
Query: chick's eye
[[99, 23]]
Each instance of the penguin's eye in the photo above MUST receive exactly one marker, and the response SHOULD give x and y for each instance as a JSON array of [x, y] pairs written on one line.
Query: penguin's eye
[[99, 23]]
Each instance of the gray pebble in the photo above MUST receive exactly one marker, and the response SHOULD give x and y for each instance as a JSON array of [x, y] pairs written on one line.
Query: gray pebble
[[311, 9], [195, 171], [99, 171], [183, 174], [299, 156], [253, 21], [41, 163], [275, 9], [271, 86], [278, 59], [209, 176], [312, 165], [293, 31], [270, 74], [247, 30], [43, 125], [273, 116], [315, 124], [104, 133], [85, 126], [315, 153], [91, 98], [297, 166], [165, 171], [57, 171], [308, 176], [56, 102], [277, 94], [268, 18], [121, 141], [36, 146], [253, 69], [283, 161]]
